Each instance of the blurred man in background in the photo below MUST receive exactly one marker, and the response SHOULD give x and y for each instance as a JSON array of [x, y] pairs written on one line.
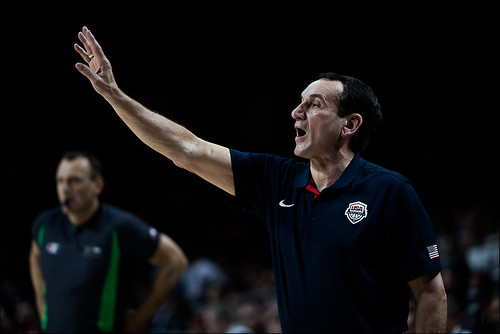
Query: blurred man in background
[[79, 251]]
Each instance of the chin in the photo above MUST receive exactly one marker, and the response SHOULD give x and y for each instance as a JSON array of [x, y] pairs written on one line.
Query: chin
[[300, 153]]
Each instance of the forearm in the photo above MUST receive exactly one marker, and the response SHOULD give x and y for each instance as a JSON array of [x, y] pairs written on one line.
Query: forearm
[[38, 287], [209, 161], [430, 315], [161, 134], [171, 261], [37, 280], [165, 280]]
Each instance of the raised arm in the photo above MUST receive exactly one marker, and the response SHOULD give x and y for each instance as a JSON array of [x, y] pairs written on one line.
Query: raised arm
[[210, 161]]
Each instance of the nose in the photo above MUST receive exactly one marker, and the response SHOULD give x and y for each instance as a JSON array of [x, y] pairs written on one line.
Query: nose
[[63, 187], [299, 113]]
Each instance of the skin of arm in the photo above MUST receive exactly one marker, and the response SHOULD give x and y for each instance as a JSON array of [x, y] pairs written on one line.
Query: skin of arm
[[210, 161], [430, 296], [171, 262], [36, 277]]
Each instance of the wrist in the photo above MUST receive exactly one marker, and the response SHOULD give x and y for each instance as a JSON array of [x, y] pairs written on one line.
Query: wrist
[[114, 94]]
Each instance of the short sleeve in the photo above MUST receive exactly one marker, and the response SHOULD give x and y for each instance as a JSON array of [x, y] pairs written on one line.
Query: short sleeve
[[35, 227], [137, 238], [416, 250], [251, 181], [40, 224]]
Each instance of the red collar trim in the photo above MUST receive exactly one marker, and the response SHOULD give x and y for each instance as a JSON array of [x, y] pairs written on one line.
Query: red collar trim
[[312, 188]]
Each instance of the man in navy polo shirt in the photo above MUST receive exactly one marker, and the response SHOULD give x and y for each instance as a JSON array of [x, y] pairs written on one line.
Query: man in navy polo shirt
[[349, 239], [82, 250]]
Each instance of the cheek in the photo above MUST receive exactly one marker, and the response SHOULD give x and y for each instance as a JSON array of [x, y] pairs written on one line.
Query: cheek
[[328, 128], [84, 191]]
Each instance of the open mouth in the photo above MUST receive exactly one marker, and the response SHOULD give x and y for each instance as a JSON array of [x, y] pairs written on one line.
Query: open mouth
[[300, 133]]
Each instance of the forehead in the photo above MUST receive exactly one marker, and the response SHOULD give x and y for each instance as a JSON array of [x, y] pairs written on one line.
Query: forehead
[[78, 166], [329, 89]]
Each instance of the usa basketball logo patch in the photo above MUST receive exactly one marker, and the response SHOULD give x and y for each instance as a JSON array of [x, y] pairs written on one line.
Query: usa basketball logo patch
[[153, 232], [356, 212], [53, 248]]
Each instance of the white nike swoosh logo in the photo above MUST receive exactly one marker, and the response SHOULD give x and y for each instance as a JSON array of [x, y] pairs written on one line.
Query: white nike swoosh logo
[[282, 203]]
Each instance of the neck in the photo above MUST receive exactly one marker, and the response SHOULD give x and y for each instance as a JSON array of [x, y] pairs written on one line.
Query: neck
[[325, 171], [82, 216]]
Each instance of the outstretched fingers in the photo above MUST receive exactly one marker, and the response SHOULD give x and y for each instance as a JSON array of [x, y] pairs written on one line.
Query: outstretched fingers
[[84, 54], [90, 43], [90, 51], [97, 68]]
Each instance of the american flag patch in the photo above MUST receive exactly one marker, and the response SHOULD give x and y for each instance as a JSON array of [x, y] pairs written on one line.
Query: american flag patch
[[433, 251]]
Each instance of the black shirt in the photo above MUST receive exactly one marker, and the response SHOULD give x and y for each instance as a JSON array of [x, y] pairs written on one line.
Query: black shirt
[[81, 265], [342, 259]]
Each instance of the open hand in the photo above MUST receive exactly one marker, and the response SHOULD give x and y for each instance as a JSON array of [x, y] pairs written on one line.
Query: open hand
[[98, 68]]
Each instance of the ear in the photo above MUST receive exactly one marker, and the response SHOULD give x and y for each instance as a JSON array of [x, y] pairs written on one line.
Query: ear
[[99, 184], [352, 123]]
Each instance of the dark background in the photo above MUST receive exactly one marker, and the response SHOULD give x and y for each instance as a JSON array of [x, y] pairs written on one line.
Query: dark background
[[233, 76]]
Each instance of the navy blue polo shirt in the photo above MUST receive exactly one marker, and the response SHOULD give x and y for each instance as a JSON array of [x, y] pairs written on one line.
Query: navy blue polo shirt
[[342, 259], [81, 266]]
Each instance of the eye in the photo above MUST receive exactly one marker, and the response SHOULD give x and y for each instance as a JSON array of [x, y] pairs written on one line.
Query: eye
[[74, 180]]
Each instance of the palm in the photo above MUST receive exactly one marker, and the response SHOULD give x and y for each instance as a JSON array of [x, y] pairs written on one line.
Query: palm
[[95, 65]]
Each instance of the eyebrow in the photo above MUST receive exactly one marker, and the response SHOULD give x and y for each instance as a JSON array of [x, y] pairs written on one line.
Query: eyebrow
[[318, 96]]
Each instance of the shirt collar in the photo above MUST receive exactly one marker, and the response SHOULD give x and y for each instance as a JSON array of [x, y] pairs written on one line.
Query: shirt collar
[[304, 177]]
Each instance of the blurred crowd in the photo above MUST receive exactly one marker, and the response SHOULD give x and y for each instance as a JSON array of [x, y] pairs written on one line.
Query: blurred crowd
[[469, 250], [211, 298]]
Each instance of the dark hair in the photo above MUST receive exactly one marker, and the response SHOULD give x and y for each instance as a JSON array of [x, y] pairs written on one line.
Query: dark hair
[[95, 164], [357, 97]]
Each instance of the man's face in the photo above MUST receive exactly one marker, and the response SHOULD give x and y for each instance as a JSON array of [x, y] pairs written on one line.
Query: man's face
[[317, 123], [75, 187]]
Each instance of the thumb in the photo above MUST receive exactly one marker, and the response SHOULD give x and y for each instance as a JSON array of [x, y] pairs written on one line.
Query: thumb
[[86, 71], [96, 81]]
